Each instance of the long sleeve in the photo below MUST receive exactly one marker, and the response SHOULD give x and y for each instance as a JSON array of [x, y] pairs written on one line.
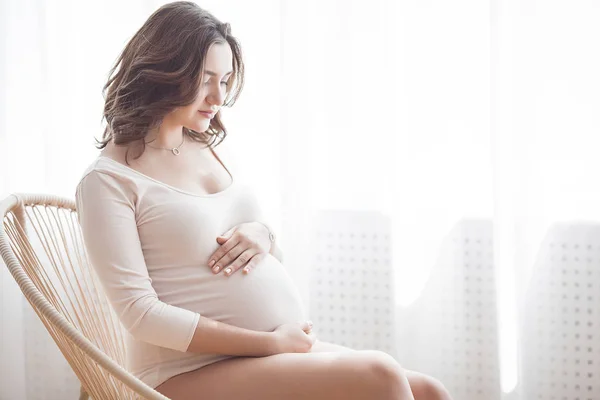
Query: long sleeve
[[106, 214]]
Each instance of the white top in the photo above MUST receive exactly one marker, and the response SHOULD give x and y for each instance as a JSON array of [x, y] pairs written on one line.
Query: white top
[[149, 244]]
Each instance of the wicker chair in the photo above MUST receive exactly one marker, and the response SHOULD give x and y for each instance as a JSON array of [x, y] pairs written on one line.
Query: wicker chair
[[41, 244]]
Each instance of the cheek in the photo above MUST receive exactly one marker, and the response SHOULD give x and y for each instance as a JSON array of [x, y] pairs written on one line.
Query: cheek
[[185, 114], [192, 110]]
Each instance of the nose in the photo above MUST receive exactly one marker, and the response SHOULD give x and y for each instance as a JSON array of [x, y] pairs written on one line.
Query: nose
[[216, 96]]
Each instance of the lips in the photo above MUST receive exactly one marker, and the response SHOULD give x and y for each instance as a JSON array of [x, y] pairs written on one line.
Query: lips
[[207, 114]]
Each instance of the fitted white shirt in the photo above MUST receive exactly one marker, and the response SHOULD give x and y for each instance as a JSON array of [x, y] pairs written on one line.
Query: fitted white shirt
[[149, 244]]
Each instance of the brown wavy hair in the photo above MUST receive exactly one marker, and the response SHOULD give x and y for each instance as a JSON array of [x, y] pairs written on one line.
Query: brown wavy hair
[[160, 69]]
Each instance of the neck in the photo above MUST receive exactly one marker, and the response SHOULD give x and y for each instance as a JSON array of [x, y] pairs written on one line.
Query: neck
[[165, 136]]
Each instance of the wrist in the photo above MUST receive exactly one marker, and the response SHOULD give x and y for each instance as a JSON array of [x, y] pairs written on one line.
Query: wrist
[[270, 235], [271, 343]]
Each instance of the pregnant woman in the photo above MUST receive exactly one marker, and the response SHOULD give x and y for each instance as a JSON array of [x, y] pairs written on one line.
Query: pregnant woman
[[180, 245]]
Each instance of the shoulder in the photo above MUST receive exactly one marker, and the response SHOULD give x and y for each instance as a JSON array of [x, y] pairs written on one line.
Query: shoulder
[[107, 178]]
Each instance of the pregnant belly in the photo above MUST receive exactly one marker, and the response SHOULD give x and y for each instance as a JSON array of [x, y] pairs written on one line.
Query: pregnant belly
[[260, 300]]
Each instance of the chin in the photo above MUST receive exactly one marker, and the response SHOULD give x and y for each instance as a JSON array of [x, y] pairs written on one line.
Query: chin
[[201, 128]]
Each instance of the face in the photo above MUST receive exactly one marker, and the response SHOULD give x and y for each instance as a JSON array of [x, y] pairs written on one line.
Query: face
[[212, 92]]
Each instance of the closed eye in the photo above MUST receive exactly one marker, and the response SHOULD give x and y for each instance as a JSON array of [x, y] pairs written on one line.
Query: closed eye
[[222, 83]]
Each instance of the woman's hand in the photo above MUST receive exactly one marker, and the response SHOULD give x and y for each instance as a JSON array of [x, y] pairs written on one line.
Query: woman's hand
[[244, 245], [295, 337]]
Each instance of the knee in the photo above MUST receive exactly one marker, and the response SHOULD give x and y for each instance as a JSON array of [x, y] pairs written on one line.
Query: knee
[[386, 375], [434, 389], [382, 364]]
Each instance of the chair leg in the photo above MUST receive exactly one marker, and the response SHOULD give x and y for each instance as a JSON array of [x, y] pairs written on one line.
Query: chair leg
[[83, 395]]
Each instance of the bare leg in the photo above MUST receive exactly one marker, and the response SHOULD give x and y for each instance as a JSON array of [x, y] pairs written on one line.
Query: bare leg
[[353, 375], [423, 387], [321, 347]]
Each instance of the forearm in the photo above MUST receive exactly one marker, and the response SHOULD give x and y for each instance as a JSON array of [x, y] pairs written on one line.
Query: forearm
[[216, 337]]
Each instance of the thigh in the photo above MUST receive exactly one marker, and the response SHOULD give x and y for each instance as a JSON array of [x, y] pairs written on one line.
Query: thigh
[[293, 376], [426, 387], [423, 386], [321, 347]]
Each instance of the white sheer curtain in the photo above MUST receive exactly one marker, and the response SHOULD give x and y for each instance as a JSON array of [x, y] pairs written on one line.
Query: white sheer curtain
[[469, 126], [544, 129], [54, 60]]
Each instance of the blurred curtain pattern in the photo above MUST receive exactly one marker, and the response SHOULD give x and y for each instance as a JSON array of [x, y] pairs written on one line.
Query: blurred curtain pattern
[[430, 167]]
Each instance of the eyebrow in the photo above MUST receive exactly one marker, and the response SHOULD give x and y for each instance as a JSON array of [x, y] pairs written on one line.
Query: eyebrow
[[215, 74]]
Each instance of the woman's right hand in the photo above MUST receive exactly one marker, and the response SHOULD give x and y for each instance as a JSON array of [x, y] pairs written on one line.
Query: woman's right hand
[[295, 337]]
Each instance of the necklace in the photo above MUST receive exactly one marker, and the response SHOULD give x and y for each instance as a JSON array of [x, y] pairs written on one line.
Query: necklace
[[174, 150]]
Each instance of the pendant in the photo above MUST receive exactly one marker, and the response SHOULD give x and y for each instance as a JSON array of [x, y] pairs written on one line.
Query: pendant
[[175, 151]]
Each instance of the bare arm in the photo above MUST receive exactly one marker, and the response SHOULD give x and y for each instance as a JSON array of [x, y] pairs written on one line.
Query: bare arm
[[219, 338]]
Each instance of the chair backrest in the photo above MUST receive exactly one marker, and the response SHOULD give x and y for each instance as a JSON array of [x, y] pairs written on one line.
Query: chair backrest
[[42, 246]]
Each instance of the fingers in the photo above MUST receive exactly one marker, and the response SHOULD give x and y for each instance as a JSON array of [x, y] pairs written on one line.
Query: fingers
[[240, 261], [253, 262], [231, 254], [308, 329], [307, 326], [223, 249]]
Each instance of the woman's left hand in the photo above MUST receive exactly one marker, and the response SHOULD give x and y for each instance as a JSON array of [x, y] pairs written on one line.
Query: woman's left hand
[[244, 245]]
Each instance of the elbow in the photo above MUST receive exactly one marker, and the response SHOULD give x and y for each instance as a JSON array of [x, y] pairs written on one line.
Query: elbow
[[152, 321], [136, 314]]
